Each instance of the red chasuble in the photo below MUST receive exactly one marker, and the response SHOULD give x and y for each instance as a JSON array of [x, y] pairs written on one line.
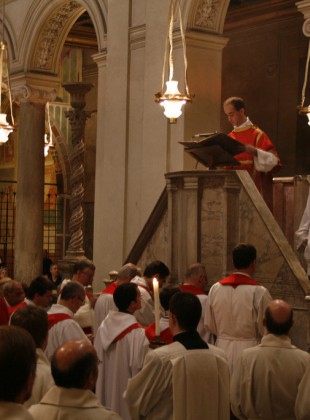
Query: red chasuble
[[257, 138]]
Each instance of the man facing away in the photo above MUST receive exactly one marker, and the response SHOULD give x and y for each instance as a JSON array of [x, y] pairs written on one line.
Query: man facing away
[[34, 320], [196, 282], [121, 346], [266, 378], [74, 368], [156, 269], [17, 372], [185, 379], [62, 326], [260, 156], [236, 306], [105, 302]]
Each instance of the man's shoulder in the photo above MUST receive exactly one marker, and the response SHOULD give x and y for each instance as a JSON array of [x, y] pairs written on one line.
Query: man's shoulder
[[166, 352]]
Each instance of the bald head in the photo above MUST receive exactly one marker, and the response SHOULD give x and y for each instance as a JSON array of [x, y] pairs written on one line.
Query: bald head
[[74, 365], [127, 272], [278, 317], [196, 276]]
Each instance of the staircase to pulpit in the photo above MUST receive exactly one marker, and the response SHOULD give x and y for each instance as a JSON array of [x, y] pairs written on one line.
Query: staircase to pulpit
[[202, 215]]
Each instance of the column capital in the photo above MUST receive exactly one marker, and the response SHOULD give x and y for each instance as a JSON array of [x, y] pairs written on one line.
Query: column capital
[[28, 87], [304, 8]]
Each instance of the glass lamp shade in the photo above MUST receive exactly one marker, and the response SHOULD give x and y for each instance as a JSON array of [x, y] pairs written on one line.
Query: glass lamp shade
[[172, 101], [308, 115], [5, 129]]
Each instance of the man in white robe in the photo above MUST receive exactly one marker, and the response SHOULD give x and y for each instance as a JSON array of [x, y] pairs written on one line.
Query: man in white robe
[[62, 326], [266, 378], [302, 405], [121, 346], [105, 302], [34, 320], [156, 269], [74, 368], [236, 306], [185, 379], [17, 367]]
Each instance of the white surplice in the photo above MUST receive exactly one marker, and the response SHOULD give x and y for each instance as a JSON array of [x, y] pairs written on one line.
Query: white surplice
[[118, 361], [63, 331], [235, 316], [104, 305]]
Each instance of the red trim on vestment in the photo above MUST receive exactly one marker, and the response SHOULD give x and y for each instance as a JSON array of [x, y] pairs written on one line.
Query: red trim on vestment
[[237, 280], [126, 331], [53, 319], [110, 289]]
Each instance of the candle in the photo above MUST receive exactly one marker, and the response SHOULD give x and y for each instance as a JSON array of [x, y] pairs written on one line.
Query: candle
[[156, 306]]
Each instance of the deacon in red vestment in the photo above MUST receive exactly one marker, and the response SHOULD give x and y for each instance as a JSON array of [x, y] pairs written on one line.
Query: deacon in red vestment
[[260, 158]]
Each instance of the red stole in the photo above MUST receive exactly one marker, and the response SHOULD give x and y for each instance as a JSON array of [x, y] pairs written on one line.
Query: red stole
[[165, 335], [126, 331], [235, 280], [53, 319], [110, 289], [191, 289]]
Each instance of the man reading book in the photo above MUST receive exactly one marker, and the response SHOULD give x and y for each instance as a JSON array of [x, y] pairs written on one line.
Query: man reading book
[[260, 157]]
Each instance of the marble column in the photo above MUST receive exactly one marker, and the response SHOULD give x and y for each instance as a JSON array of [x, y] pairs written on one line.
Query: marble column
[[30, 191]]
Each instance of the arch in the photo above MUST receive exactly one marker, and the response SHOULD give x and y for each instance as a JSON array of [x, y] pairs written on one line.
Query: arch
[[46, 28], [205, 15]]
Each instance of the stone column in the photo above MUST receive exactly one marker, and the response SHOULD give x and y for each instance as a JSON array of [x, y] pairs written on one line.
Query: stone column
[[30, 184], [77, 117]]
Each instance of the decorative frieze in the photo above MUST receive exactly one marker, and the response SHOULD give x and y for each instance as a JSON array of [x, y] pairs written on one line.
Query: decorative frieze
[[206, 14], [51, 33]]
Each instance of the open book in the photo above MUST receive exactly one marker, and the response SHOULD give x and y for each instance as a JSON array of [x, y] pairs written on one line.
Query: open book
[[214, 149]]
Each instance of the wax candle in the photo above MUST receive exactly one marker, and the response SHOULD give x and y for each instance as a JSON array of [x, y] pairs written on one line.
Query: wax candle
[[156, 306]]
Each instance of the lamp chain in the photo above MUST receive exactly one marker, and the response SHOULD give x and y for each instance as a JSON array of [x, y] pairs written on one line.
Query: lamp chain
[[303, 94], [184, 50], [174, 4]]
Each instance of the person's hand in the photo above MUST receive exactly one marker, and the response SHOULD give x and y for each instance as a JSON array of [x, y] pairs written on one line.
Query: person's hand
[[250, 149]]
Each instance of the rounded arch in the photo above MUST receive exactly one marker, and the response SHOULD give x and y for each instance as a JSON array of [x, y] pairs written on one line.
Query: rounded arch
[[46, 27]]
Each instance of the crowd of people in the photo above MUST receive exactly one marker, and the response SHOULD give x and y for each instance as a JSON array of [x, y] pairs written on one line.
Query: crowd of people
[[221, 353], [67, 352]]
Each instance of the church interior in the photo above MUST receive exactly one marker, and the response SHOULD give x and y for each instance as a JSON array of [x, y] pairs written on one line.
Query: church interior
[[129, 191]]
